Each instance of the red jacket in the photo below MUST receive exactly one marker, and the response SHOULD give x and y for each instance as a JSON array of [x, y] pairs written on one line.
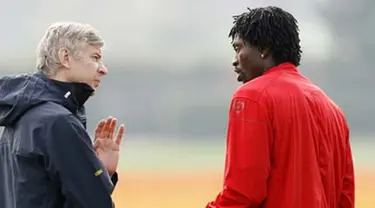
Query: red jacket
[[287, 146]]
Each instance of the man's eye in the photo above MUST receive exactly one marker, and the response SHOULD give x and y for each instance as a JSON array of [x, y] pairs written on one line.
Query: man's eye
[[97, 58]]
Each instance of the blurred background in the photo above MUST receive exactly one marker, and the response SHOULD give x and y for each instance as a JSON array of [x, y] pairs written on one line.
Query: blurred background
[[171, 82]]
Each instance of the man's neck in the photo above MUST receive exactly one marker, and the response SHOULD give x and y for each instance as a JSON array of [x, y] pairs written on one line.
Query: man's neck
[[58, 76]]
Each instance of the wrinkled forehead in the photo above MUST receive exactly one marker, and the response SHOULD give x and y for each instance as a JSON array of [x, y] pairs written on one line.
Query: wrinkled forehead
[[92, 49], [95, 49]]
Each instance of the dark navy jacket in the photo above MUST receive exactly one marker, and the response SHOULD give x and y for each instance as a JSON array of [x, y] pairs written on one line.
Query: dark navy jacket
[[46, 156]]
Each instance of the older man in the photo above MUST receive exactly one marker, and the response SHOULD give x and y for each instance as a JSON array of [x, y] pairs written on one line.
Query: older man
[[47, 157]]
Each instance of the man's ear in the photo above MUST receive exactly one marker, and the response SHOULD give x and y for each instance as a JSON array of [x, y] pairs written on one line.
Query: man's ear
[[264, 53], [64, 57]]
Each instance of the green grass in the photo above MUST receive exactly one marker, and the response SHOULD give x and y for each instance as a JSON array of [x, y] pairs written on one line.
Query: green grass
[[164, 154]]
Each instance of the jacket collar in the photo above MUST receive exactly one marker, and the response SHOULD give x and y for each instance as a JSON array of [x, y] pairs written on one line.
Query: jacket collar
[[286, 66], [73, 94]]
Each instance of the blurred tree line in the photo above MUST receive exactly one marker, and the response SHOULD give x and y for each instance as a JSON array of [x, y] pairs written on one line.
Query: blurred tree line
[[161, 99]]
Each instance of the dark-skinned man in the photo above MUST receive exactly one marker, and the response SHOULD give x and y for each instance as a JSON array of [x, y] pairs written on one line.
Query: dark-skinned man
[[287, 141]]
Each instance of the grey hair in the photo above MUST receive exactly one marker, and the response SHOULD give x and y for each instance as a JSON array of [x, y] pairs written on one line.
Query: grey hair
[[70, 35]]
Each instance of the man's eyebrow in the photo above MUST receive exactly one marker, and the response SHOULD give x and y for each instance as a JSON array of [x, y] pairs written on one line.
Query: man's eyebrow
[[235, 44], [98, 54]]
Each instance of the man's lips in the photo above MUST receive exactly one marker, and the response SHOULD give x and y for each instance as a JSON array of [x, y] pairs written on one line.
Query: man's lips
[[96, 83]]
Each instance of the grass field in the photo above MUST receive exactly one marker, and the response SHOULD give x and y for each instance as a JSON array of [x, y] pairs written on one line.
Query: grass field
[[189, 174]]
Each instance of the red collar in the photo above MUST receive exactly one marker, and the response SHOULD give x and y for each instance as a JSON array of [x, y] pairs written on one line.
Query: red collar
[[286, 66]]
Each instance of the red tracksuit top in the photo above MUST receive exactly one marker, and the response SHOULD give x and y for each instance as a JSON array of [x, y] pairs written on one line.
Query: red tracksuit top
[[287, 146]]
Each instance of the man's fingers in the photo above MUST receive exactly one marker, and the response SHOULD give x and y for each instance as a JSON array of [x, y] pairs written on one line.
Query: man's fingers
[[96, 144], [99, 129], [112, 128], [120, 134], [106, 127]]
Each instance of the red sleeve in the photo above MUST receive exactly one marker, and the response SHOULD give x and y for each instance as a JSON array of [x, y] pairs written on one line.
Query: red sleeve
[[347, 193], [247, 162]]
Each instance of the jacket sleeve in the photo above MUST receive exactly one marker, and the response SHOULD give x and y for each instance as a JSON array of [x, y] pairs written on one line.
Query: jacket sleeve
[[348, 188], [85, 183], [114, 179], [247, 162]]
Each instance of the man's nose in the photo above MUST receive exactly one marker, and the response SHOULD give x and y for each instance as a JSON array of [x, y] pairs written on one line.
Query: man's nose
[[235, 62], [103, 70]]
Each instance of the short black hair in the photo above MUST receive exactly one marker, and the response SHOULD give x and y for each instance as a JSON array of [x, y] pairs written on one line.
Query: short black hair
[[270, 28]]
